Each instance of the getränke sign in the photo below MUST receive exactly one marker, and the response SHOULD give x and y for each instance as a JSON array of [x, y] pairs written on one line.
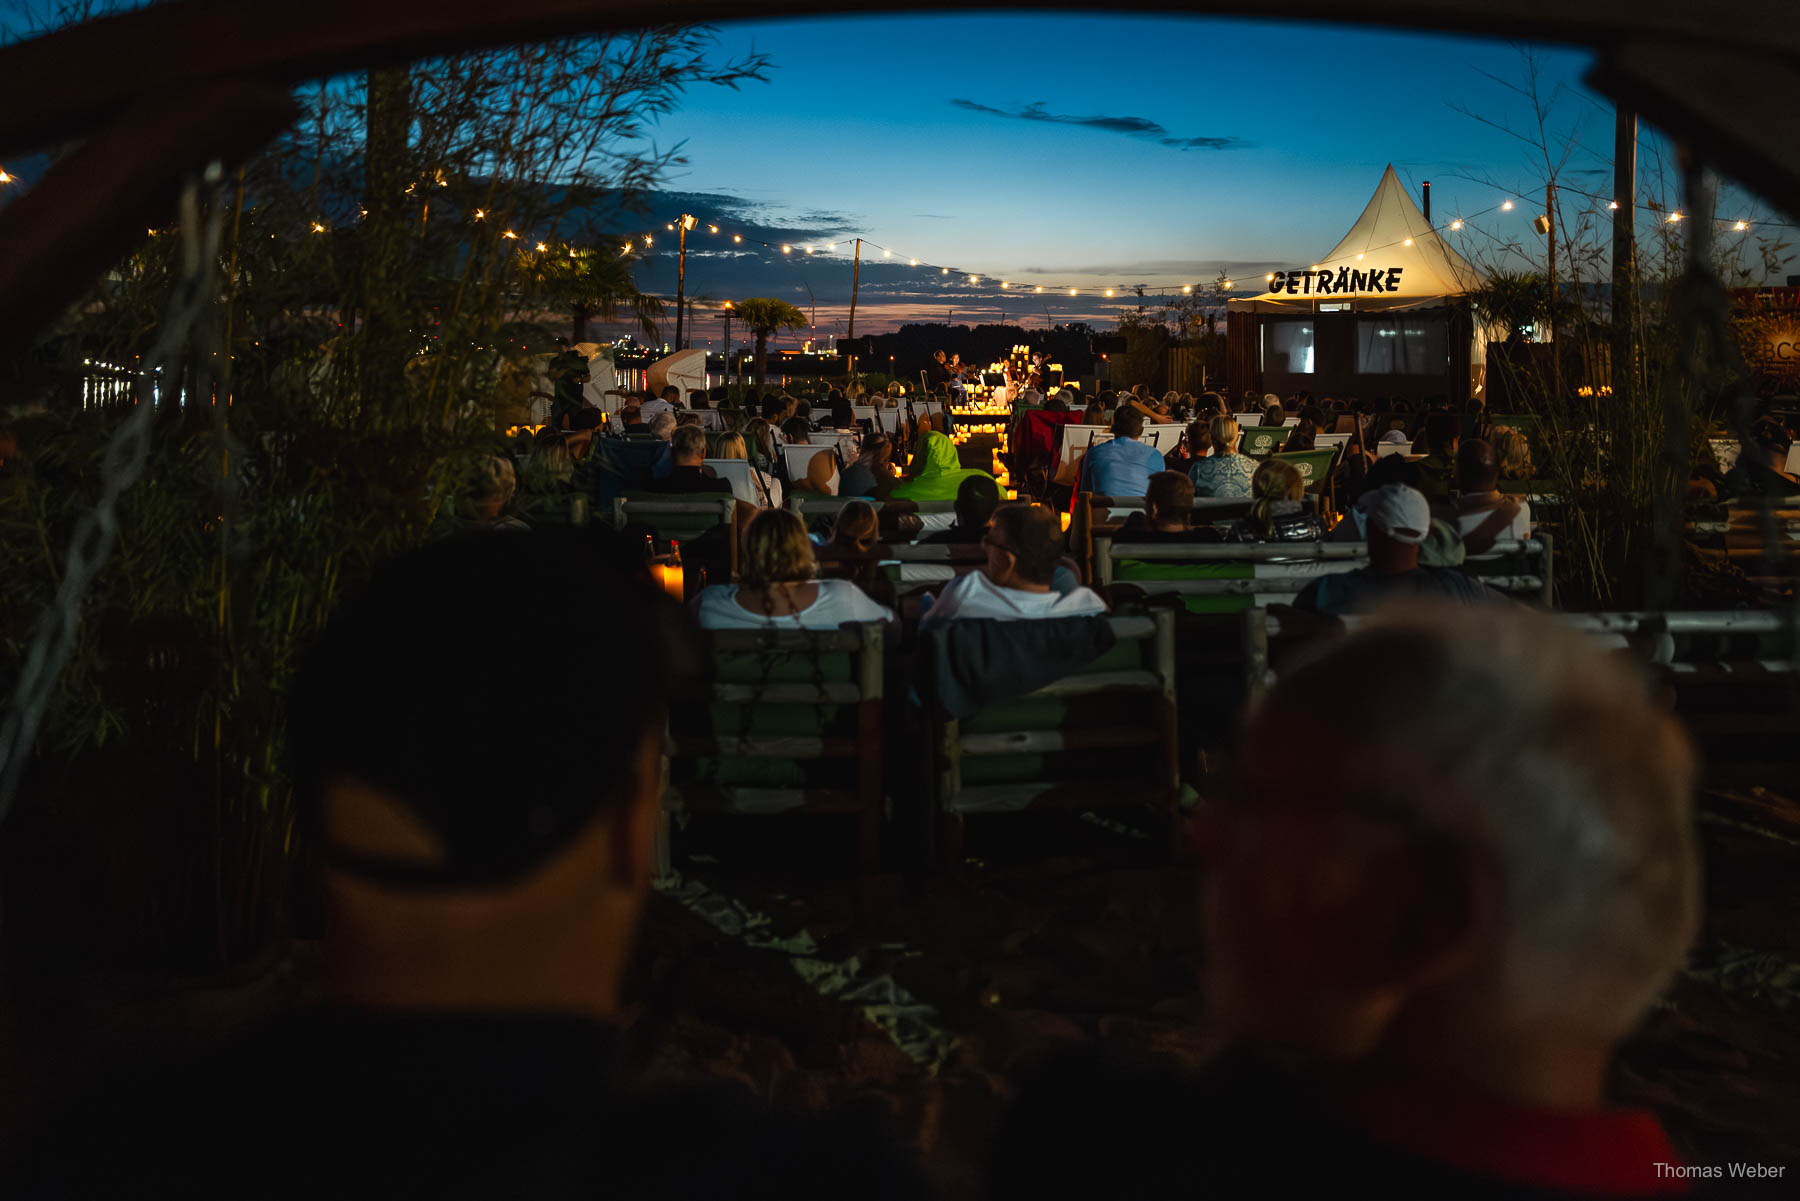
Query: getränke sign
[[1343, 281]]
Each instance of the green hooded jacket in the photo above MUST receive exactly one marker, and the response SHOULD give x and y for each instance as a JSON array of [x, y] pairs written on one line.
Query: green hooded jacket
[[941, 474]]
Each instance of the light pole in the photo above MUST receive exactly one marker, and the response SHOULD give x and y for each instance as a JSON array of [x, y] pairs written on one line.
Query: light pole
[[687, 222], [728, 341]]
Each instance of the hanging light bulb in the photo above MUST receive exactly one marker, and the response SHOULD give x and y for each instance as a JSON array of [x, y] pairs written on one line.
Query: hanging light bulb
[[1270, 277], [625, 249], [946, 271], [737, 237], [887, 254], [787, 250], [1741, 226], [712, 229], [1408, 242], [1228, 283], [670, 227], [1456, 224], [1359, 258], [480, 214], [541, 248], [648, 241], [974, 279], [1506, 206], [1071, 291], [1674, 217], [1186, 289], [1040, 289], [510, 234], [831, 245], [1108, 291], [1002, 285], [915, 262], [1612, 204], [318, 227]]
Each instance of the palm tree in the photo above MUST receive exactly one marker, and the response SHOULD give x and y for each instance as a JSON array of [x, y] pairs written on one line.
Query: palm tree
[[763, 315], [588, 283]]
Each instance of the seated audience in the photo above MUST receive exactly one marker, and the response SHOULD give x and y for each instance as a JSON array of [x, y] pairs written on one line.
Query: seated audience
[[1273, 413], [668, 402], [1479, 495], [687, 417], [767, 487], [937, 471], [1225, 472], [1023, 544], [697, 398], [1122, 465], [491, 489], [687, 450], [777, 585], [872, 474], [854, 552], [465, 1033], [1425, 967], [1278, 514], [1399, 522], [663, 425], [821, 478], [1168, 513], [796, 431], [631, 420], [976, 499], [1302, 436], [843, 415], [1437, 471]]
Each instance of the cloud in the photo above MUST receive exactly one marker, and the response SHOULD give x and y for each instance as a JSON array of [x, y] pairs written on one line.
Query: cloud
[[1135, 127], [935, 216]]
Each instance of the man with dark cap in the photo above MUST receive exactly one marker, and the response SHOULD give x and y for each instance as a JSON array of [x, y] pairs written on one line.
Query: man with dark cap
[[482, 899]]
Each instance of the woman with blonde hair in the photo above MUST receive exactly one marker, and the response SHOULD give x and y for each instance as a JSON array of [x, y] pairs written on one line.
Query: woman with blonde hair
[[778, 585], [1225, 472], [768, 488], [1278, 514]]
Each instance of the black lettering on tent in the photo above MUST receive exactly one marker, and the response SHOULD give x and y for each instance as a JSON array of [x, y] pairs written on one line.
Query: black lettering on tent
[[1343, 280], [1359, 281], [1393, 278], [1375, 282], [1324, 283]]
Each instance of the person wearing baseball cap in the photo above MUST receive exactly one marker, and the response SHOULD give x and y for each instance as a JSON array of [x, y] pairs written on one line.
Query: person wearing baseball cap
[[483, 883], [1398, 519]]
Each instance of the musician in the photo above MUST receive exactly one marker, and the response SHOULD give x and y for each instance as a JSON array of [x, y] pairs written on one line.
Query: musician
[[938, 373]]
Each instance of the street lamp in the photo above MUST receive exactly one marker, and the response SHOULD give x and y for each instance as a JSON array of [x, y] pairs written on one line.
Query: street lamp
[[687, 222], [728, 307]]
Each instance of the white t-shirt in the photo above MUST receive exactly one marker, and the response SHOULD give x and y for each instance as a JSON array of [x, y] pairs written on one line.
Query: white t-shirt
[[974, 595], [839, 601], [1520, 528]]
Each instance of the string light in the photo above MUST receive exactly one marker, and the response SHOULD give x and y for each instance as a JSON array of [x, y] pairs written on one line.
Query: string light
[[1003, 285], [480, 214], [1506, 206], [1040, 289], [915, 262], [1612, 204], [318, 227], [541, 248], [1227, 283], [737, 237], [1270, 277], [1408, 242], [1071, 291], [713, 228], [1456, 224], [510, 234], [886, 253], [1674, 217], [1359, 258], [974, 279], [1186, 289], [831, 245], [4, 177], [1108, 291], [670, 227], [647, 240], [1741, 226], [787, 250], [625, 249]]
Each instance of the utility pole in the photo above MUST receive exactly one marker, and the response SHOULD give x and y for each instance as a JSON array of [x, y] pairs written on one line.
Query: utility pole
[[728, 341], [687, 222], [855, 280], [1624, 257]]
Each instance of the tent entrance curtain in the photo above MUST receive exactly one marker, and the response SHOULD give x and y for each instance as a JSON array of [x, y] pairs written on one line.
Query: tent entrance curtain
[[1402, 344]]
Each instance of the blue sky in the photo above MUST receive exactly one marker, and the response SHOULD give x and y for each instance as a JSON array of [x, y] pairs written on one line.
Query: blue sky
[[1100, 151], [930, 135]]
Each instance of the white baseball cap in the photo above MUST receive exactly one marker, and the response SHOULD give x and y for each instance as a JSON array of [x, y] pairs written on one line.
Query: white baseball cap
[[1400, 512]]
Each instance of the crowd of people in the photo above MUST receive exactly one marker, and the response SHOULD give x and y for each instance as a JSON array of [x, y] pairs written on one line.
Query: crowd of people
[[1421, 973]]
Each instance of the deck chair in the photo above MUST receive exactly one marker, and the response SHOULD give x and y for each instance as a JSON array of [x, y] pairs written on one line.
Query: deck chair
[[1260, 441], [1103, 735], [793, 725]]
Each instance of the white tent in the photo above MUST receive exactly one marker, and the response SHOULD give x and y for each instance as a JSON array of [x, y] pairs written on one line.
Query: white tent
[[1391, 259]]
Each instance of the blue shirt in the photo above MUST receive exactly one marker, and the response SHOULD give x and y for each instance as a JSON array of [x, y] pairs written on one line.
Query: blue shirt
[[1121, 467]]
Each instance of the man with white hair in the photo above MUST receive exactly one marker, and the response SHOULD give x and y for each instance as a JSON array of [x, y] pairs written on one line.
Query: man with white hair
[[1426, 965], [663, 425], [1399, 522]]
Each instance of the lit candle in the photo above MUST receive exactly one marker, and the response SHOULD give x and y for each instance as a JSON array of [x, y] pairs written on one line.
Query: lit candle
[[669, 576]]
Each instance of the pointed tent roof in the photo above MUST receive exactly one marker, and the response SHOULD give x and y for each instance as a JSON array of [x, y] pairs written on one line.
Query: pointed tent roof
[[1391, 233]]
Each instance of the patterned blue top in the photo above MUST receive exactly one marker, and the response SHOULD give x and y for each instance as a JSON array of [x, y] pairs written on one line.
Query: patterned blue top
[[1222, 476]]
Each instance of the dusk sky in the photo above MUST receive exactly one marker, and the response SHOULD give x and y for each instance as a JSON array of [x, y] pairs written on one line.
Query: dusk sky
[[1100, 152]]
